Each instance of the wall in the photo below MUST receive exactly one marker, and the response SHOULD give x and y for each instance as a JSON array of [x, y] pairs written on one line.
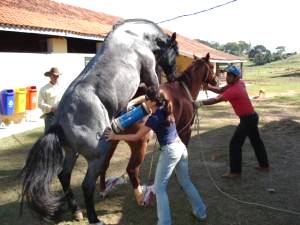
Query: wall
[[182, 62], [27, 69]]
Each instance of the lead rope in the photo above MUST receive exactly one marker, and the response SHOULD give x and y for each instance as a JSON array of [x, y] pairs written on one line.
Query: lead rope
[[228, 195], [151, 162]]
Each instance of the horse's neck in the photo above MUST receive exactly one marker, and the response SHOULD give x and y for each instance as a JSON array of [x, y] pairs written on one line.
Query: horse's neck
[[192, 85]]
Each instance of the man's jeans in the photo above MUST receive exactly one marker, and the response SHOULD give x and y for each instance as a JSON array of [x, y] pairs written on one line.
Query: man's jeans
[[175, 156], [248, 127]]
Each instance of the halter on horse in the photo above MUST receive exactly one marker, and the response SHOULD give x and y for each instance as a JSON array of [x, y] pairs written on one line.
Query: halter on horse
[[129, 53], [182, 93]]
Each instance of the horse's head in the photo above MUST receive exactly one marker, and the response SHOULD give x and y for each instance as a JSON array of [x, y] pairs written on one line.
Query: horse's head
[[204, 66], [166, 55]]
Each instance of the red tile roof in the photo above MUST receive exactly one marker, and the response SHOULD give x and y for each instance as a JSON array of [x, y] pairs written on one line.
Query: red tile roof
[[50, 15], [47, 15], [191, 47]]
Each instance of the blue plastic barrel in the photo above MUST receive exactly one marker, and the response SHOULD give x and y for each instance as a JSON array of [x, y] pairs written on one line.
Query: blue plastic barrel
[[129, 118], [7, 105]]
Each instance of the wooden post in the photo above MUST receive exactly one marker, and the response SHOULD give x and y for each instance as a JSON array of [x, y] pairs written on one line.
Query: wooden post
[[242, 69]]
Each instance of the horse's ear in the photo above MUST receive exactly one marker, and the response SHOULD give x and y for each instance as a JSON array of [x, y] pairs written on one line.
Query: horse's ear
[[173, 38], [207, 57], [195, 57]]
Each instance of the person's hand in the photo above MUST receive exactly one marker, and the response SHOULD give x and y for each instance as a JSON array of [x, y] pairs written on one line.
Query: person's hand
[[198, 104], [109, 135], [130, 106]]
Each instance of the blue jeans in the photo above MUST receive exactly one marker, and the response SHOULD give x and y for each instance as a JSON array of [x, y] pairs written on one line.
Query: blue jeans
[[175, 156]]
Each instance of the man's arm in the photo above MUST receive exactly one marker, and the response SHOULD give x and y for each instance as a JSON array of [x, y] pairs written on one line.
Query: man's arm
[[215, 89], [209, 101]]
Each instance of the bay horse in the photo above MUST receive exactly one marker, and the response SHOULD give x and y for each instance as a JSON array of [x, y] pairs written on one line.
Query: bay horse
[[128, 56], [182, 93]]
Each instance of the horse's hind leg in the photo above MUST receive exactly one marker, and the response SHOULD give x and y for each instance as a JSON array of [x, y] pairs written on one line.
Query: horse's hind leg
[[105, 167], [88, 186], [65, 178], [138, 150]]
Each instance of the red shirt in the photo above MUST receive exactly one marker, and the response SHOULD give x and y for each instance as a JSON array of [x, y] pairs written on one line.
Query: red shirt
[[238, 97]]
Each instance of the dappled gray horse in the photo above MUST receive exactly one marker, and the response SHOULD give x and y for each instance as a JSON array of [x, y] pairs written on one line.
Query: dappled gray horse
[[128, 56]]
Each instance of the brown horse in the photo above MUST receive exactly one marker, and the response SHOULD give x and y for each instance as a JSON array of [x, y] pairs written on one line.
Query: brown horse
[[182, 93]]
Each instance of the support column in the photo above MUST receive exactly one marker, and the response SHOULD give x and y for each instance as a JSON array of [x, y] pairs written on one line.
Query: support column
[[57, 45]]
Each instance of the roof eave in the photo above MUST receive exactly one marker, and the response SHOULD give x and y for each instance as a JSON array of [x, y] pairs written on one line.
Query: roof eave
[[52, 32]]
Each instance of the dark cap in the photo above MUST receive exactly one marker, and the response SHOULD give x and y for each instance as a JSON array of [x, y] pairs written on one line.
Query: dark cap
[[233, 70]]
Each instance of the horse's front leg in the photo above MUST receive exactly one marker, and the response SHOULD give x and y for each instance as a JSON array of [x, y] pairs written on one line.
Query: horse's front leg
[[114, 145], [138, 150], [65, 178]]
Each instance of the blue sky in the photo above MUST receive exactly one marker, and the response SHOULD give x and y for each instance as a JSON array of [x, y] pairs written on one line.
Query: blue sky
[[266, 22]]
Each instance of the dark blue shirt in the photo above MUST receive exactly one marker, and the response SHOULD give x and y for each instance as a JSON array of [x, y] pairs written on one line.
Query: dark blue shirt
[[165, 133]]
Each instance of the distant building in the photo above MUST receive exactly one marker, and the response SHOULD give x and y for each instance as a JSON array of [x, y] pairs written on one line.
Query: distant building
[[36, 35], [45, 27]]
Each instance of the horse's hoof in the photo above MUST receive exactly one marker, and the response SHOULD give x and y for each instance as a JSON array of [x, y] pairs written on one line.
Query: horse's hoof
[[78, 215]]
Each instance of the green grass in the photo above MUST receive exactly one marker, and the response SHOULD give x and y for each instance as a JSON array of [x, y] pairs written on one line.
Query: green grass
[[279, 76], [280, 129]]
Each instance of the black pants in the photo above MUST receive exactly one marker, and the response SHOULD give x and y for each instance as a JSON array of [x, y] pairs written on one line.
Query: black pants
[[248, 127]]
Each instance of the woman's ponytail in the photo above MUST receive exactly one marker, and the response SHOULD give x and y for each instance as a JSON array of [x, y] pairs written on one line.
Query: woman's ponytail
[[162, 101]]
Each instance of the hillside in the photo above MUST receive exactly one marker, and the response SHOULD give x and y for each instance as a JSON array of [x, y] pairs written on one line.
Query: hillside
[[276, 77]]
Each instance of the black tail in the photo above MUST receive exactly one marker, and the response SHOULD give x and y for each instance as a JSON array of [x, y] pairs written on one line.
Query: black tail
[[44, 162]]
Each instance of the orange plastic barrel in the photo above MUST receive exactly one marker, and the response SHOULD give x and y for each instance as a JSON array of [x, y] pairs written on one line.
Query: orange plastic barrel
[[31, 98]]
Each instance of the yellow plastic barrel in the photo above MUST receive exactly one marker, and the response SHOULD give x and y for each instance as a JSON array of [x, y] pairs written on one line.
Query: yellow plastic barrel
[[20, 100]]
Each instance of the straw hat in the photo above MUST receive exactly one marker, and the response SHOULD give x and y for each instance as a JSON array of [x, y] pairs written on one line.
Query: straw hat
[[52, 71]]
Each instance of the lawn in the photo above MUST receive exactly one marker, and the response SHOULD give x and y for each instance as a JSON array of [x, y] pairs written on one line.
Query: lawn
[[257, 198]]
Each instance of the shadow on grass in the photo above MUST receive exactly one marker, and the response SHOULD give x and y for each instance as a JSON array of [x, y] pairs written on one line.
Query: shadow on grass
[[289, 75]]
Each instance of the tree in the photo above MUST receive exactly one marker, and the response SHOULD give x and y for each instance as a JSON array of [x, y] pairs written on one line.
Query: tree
[[244, 47], [260, 55], [279, 53], [211, 44], [232, 48]]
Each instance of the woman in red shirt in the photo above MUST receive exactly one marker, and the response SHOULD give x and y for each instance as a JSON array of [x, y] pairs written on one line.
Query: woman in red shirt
[[235, 92]]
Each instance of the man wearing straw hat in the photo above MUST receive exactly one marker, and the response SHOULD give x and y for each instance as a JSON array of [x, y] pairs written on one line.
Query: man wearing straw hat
[[49, 97]]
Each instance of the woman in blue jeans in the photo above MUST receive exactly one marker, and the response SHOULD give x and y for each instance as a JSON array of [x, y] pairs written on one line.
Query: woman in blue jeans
[[173, 154]]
